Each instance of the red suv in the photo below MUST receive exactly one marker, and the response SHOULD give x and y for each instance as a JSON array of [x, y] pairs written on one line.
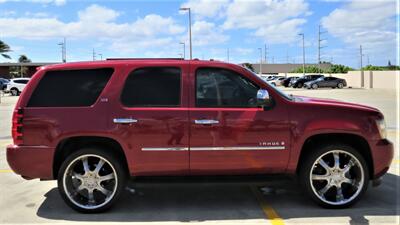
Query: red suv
[[92, 125]]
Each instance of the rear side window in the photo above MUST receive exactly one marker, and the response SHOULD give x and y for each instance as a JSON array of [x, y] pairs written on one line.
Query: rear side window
[[70, 88], [152, 87], [21, 81]]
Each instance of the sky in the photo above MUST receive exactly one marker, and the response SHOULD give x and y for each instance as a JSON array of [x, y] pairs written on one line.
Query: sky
[[156, 28]]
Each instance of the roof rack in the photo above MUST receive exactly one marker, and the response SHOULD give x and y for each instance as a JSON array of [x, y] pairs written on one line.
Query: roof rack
[[144, 58]]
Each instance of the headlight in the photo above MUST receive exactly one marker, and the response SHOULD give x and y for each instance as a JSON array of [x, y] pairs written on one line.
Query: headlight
[[381, 127]]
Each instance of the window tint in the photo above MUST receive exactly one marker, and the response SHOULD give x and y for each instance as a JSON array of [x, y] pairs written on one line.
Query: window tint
[[70, 88], [153, 86], [224, 88], [21, 81]]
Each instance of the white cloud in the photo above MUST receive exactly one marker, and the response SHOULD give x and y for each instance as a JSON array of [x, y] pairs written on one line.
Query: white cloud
[[206, 8], [368, 23], [98, 23], [205, 33], [55, 2], [275, 21]]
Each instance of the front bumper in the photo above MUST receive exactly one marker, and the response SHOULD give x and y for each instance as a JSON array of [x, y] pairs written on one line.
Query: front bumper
[[31, 161], [382, 154]]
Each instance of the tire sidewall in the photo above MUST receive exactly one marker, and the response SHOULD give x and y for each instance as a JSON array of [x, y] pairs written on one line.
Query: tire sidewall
[[304, 173], [119, 170]]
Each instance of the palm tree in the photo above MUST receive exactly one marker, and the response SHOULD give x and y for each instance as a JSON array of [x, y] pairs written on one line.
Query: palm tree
[[24, 59], [3, 49]]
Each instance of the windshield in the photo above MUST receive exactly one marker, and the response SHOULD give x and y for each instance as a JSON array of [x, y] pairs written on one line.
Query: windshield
[[321, 78]]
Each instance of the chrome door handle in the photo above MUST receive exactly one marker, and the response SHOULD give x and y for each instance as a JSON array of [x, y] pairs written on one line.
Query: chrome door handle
[[125, 120], [206, 122]]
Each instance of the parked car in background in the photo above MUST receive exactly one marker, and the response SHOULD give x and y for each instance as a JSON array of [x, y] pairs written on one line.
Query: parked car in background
[[287, 81], [332, 82], [93, 125], [277, 81], [17, 85], [3, 84], [299, 83]]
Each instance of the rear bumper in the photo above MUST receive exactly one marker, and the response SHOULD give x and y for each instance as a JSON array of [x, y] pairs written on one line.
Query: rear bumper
[[382, 154], [31, 161]]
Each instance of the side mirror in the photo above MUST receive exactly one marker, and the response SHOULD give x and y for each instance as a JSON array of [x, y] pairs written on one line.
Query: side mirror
[[263, 97]]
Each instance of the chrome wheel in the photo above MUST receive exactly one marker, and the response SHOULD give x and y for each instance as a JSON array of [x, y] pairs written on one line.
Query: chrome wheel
[[340, 85], [90, 181], [337, 177]]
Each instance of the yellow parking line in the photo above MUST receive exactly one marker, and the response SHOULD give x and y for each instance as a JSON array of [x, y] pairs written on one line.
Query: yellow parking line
[[5, 171], [271, 214]]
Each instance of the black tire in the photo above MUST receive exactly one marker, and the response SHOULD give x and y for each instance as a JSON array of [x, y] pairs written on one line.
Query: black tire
[[120, 181], [340, 85], [14, 92], [307, 167], [299, 85]]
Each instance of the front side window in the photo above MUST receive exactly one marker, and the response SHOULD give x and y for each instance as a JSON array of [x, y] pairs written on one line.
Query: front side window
[[153, 87], [217, 87], [70, 88]]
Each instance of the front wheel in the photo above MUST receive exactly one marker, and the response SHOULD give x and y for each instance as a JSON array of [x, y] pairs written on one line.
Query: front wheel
[[314, 86], [299, 85], [90, 180], [14, 92], [334, 176], [340, 85]]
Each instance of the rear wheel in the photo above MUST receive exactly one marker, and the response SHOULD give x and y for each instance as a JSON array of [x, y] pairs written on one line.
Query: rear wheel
[[91, 180], [334, 176], [299, 85], [14, 92]]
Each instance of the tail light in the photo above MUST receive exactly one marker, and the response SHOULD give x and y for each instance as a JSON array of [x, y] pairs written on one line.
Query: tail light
[[17, 126]]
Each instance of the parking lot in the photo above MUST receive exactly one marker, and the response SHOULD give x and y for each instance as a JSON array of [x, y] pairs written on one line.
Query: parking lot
[[279, 201]]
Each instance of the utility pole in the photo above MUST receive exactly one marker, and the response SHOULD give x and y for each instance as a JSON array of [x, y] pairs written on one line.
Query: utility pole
[[261, 57], [304, 56], [190, 29], [361, 66], [63, 45], [101, 56], [287, 56], [265, 53], [94, 55], [227, 52], [184, 49], [368, 60], [319, 46], [273, 60]]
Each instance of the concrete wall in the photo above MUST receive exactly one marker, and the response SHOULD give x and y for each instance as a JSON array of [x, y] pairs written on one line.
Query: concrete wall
[[372, 79]]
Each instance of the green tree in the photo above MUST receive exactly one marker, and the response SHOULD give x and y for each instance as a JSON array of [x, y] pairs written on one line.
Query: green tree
[[248, 66], [23, 69], [4, 48], [24, 59], [338, 68], [308, 69]]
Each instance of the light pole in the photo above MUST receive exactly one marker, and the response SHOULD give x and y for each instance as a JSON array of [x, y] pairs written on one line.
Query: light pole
[[190, 30], [184, 49], [260, 60], [63, 50], [304, 56]]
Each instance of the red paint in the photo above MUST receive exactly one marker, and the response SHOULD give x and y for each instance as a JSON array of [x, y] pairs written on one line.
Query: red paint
[[288, 123]]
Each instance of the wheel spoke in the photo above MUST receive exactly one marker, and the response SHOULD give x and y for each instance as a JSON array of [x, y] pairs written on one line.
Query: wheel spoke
[[336, 160], [320, 177], [324, 165], [99, 166], [349, 181], [107, 177], [85, 165], [80, 188], [91, 197], [77, 176], [348, 166], [325, 189], [339, 194], [103, 190]]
